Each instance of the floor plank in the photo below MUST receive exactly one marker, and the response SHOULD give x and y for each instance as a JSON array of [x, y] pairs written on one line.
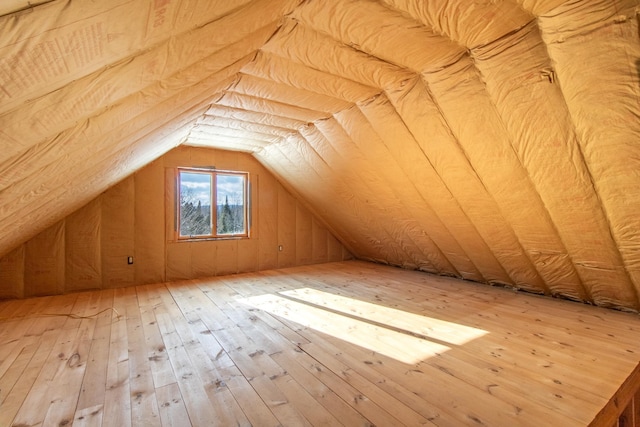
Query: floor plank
[[73, 354], [117, 398], [144, 405], [349, 343], [90, 404]]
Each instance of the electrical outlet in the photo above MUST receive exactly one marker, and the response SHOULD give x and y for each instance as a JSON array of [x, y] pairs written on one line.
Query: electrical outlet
[[129, 260]]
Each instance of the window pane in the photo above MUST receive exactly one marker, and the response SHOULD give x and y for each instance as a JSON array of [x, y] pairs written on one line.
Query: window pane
[[195, 204], [230, 204]]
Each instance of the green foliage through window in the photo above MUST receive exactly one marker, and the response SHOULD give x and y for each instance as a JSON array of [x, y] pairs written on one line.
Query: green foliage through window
[[197, 189]]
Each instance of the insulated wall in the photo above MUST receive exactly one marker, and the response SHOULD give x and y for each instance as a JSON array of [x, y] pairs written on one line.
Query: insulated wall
[[89, 248]]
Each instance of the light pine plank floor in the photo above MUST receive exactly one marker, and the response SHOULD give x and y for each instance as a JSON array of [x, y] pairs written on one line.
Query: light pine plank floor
[[348, 343]]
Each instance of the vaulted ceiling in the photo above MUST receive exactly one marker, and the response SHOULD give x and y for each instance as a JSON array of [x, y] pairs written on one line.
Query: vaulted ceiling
[[492, 140]]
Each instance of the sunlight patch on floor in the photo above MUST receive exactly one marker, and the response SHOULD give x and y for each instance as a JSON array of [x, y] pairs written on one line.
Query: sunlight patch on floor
[[406, 337]]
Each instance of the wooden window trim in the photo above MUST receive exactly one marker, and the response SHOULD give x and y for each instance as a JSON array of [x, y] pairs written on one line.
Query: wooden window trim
[[214, 188]]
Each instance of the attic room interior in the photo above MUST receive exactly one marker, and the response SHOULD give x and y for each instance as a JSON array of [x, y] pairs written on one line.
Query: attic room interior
[[320, 212]]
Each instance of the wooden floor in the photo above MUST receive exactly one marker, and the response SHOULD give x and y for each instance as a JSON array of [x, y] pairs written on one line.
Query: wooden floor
[[347, 343]]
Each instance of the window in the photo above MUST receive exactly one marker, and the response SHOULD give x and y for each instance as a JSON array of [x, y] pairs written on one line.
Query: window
[[212, 204]]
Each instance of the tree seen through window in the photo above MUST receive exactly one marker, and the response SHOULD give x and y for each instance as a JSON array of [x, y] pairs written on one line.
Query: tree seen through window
[[230, 204]]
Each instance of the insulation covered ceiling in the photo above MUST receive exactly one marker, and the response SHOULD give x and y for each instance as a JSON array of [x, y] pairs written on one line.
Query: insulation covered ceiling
[[493, 140]]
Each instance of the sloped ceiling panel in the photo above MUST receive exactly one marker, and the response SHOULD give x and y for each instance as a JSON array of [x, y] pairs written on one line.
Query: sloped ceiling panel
[[491, 141]]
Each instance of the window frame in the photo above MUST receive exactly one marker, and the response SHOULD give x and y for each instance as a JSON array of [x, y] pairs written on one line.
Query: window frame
[[213, 172]]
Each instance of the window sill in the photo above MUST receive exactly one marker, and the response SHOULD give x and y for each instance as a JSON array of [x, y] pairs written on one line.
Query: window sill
[[209, 239]]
